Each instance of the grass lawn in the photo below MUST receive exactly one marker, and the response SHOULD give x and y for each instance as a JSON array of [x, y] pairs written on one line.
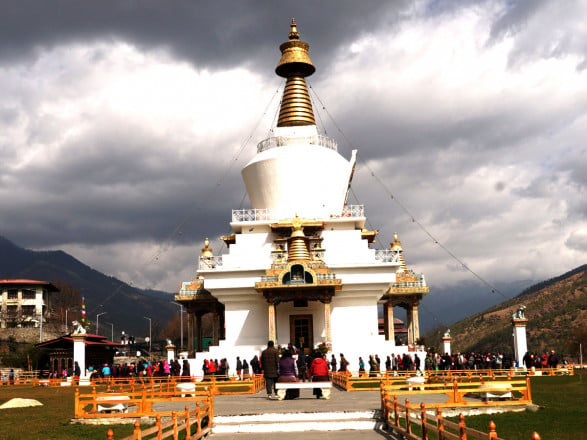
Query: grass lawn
[[562, 413], [50, 421]]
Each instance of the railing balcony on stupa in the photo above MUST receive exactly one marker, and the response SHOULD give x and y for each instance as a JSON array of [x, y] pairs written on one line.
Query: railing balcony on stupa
[[387, 256], [265, 214], [283, 141], [207, 263]]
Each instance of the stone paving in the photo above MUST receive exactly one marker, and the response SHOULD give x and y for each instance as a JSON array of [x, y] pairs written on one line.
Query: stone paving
[[346, 415]]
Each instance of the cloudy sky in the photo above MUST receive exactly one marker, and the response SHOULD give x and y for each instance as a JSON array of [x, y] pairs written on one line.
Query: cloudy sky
[[124, 126]]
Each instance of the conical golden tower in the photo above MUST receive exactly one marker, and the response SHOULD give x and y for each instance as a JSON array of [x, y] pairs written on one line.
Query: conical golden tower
[[297, 244], [396, 246], [295, 64]]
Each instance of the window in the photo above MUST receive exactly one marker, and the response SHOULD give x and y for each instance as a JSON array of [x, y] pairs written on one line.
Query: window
[[11, 311], [12, 294], [28, 310], [28, 294], [297, 275]]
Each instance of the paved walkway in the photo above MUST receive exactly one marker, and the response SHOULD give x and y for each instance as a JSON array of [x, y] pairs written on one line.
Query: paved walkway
[[346, 415], [340, 401], [354, 413]]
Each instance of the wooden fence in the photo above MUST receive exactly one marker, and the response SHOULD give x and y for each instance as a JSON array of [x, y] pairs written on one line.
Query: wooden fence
[[518, 392], [218, 384], [140, 402], [402, 418], [196, 425], [355, 381]]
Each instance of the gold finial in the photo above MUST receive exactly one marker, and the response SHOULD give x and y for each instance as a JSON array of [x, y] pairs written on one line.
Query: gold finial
[[297, 243], [295, 64], [396, 246], [206, 251], [293, 33]]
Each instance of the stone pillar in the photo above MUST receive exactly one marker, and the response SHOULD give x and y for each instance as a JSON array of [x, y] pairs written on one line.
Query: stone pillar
[[415, 322], [79, 352], [409, 318], [520, 343], [446, 340], [216, 323], [191, 327], [198, 334], [170, 352], [272, 324], [389, 329], [327, 326]]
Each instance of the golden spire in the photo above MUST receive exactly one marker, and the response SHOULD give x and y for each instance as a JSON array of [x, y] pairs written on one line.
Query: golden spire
[[297, 246], [396, 246], [206, 251], [295, 64]]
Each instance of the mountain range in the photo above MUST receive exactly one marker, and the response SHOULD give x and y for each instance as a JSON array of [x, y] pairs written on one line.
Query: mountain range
[[556, 310], [125, 306]]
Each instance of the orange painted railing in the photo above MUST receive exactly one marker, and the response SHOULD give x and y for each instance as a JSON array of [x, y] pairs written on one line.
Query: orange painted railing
[[457, 392], [196, 425], [400, 418], [140, 402], [218, 384], [362, 381]]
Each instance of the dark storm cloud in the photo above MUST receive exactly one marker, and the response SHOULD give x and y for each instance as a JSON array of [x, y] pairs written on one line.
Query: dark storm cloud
[[120, 123], [117, 189], [217, 33]]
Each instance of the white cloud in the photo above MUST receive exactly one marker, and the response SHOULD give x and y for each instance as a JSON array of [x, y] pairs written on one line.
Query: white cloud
[[474, 116]]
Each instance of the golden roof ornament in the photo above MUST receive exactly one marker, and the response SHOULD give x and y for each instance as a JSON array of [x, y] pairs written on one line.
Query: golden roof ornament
[[206, 251], [396, 246], [297, 243], [295, 64]]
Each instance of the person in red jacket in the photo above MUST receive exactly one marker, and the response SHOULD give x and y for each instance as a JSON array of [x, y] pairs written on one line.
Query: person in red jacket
[[319, 372]]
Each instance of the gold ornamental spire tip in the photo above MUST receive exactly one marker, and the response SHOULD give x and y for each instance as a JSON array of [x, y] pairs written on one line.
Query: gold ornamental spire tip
[[293, 33], [206, 251], [295, 64]]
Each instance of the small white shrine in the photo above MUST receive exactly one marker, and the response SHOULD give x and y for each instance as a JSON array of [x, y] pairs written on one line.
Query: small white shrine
[[300, 268]]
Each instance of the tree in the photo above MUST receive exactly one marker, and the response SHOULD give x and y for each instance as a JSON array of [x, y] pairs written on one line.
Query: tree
[[65, 302], [579, 338]]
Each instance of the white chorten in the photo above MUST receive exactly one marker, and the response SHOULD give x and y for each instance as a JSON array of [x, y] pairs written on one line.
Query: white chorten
[[299, 267]]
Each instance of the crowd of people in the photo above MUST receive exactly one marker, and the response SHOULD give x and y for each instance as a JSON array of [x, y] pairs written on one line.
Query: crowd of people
[[455, 361], [141, 368], [292, 365]]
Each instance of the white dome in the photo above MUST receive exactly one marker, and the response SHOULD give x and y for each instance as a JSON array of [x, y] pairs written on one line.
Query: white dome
[[298, 175]]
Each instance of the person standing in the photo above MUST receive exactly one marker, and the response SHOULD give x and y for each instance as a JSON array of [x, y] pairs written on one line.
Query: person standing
[[77, 372], [246, 375], [319, 372], [106, 372], [417, 362], [333, 363], [185, 371], [270, 366], [255, 365], [343, 363], [302, 363], [239, 368]]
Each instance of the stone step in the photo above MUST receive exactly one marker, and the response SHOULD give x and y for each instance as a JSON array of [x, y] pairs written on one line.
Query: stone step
[[295, 422]]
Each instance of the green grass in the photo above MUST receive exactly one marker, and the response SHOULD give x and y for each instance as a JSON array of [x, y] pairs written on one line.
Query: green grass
[[562, 413], [50, 421]]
